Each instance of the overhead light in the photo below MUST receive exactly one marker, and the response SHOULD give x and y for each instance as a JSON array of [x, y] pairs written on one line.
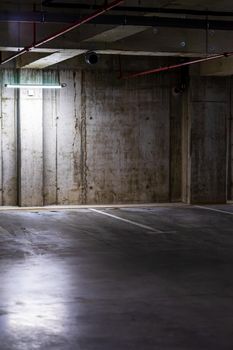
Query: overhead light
[[34, 86]]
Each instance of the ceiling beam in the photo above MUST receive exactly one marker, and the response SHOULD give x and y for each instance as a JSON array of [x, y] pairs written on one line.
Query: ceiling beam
[[41, 53], [184, 43], [35, 61], [149, 21], [142, 9], [115, 34]]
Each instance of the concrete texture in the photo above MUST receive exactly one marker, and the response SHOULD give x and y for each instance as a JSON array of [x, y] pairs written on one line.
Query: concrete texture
[[8, 144], [159, 41], [82, 279], [134, 147], [31, 141], [208, 109], [230, 148], [100, 140]]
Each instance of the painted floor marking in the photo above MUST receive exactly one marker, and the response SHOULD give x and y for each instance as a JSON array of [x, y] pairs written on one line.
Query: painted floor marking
[[213, 209], [128, 221]]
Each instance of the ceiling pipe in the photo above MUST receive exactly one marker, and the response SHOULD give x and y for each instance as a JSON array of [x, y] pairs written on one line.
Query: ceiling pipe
[[164, 22], [171, 22], [51, 3], [175, 66], [71, 27]]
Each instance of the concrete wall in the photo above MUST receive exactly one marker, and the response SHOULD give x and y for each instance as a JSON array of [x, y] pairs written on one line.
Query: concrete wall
[[99, 140], [105, 140]]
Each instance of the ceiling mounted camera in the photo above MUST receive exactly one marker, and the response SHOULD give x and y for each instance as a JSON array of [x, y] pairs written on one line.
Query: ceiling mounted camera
[[91, 57]]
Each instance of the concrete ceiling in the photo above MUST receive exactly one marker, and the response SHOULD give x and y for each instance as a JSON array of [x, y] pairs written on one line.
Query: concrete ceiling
[[143, 33], [204, 4]]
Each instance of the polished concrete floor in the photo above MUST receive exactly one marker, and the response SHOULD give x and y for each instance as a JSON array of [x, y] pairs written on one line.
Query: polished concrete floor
[[117, 279]]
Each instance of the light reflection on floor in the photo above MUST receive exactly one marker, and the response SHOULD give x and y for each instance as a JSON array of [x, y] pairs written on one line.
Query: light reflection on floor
[[36, 290], [87, 281]]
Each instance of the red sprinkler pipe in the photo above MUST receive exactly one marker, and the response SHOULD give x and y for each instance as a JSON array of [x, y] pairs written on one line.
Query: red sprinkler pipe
[[175, 66], [75, 25]]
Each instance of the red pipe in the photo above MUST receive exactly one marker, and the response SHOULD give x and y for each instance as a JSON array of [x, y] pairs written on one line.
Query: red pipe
[[175, 66], [66, 30]]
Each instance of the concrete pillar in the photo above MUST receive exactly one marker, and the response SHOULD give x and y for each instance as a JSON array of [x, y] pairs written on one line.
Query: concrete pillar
[[8, 148], [50, 119], [205, 141], [31, 141], [230, 145], [69, 128], [175, 144]]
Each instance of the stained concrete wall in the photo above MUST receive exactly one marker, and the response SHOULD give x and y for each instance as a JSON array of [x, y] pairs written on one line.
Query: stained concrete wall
[[99, 140], [206, 130], [112, 139], [8, 142], [128, 125], [105, 140]]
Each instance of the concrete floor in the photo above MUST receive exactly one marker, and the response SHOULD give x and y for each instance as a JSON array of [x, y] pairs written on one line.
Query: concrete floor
[[161, 278]]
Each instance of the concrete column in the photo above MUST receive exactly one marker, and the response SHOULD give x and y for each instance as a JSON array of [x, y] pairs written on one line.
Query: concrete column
[[230, 145], [69, 128], [205, 149], [8, 164], [50, 118], [175, 144], [31, 141]]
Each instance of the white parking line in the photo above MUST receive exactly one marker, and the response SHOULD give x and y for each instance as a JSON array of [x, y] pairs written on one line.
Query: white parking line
[[213, 209], [128, 221]]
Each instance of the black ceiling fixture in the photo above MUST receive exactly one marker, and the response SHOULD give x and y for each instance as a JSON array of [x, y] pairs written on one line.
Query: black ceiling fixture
[[91, 57], [73, 5]]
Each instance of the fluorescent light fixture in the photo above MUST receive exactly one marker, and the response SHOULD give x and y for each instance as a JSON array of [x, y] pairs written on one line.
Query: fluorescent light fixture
[[34, 86]]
